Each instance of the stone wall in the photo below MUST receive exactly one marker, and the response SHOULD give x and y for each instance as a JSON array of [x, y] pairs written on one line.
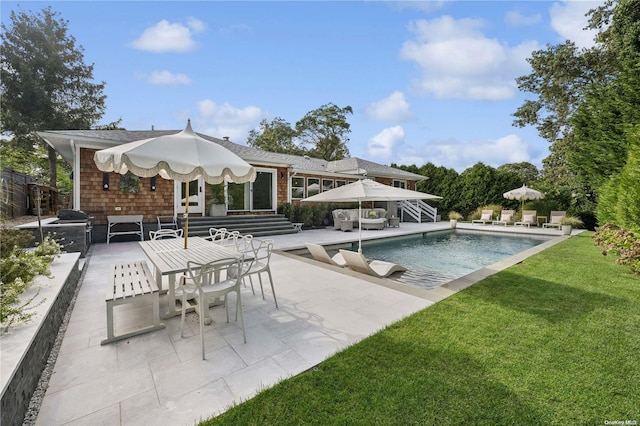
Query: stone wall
[[29, 364]]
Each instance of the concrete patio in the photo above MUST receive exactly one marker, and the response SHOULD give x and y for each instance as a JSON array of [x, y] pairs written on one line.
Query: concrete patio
[[159, 378]]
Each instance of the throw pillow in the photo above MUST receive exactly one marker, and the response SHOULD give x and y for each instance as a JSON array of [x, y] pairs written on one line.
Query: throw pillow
[[486, 216], [528, 218]]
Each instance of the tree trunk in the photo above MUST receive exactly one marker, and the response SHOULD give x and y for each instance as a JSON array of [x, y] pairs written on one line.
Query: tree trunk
[[53, 166]]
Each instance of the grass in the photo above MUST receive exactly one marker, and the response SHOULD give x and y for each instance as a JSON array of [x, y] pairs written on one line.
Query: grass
[[553, 340]]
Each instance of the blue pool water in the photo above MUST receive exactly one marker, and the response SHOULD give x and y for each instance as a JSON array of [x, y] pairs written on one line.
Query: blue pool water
[[438, 257]]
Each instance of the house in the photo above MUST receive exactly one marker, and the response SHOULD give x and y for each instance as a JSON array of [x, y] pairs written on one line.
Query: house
[[281, 178]]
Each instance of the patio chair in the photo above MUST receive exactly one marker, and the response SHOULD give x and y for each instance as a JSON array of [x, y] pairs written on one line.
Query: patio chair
[[506, 218], [529, 217], [320, 254], [165, 233], [210, 281], [257, 262], [554, 219], [167, 222], [485, 217], [377, 268]]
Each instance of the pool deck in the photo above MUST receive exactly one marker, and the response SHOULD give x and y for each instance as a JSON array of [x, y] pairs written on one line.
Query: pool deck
[[159, 378]]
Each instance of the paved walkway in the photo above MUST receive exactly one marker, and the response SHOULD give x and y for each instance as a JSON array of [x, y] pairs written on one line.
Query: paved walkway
[[160, 379]]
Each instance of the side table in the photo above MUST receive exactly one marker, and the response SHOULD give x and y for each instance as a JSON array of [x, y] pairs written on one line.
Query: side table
[[394, 222], [346, 225]]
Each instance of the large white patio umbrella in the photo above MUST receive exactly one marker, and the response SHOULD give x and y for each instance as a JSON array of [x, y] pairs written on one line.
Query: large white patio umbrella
[[367, 190], [523, 193], [182, 156]]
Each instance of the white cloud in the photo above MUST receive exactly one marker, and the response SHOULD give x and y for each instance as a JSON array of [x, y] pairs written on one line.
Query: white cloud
[[381, 145], [458, 61], [165, 78], [568, 20], [167, 37], [393, 108], [517, 19], [462, 155], [220, 120]]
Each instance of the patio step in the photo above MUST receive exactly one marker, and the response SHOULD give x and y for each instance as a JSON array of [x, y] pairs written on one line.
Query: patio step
[[256, 225]]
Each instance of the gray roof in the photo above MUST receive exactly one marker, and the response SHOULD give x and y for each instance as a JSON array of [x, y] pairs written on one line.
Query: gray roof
[[60, 140]]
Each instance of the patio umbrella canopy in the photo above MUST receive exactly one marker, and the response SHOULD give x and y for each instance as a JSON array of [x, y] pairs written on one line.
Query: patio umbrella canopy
[[182, 156], [368, 190], [523, 193]]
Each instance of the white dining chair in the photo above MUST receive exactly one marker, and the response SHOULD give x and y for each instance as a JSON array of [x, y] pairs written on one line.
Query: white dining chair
[[208, 282], [260, 264], [165, 233]]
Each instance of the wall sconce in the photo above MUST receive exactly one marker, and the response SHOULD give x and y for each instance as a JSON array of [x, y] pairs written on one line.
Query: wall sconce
[[282, 175], [105, 181], [153, 183]]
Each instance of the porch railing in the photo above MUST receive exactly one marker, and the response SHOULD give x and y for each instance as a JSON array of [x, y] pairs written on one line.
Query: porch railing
[[418, 210]]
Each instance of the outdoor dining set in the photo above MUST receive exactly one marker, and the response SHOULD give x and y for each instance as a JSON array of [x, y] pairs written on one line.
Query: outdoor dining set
[[201, 271]]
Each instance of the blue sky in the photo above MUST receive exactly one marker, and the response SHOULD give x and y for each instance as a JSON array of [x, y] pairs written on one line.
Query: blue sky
[[427, 80]]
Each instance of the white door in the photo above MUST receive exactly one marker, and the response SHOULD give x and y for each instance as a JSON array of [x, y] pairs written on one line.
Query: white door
[[196, 196]]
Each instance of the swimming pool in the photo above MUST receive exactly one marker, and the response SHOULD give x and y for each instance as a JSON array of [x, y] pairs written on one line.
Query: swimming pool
[[438, 257]]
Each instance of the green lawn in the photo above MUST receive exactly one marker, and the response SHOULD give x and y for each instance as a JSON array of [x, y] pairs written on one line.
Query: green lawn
[[554, 340]]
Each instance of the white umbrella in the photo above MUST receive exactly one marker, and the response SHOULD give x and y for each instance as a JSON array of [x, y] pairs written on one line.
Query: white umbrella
[[182, 156], [367, 190], [524, 193]]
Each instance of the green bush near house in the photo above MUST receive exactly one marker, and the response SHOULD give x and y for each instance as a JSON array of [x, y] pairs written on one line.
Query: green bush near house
[[552, 340], [18, 269]]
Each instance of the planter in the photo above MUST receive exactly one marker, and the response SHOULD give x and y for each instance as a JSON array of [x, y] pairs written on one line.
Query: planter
[[566, 229], [453, 223], [217, 210], [26, 347]]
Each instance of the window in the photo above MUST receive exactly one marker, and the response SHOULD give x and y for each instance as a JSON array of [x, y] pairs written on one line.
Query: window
[[327, 184], [340, 183], [256, 195], [297, 188], [400, 184], [313, 186]]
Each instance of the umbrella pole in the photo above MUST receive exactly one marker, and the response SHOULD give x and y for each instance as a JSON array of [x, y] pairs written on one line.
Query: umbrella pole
[[186, 217], [359, 226]]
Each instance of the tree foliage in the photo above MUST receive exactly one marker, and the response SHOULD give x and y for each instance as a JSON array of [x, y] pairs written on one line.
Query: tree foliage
[[45, 83], [275, 136], [324, 131]]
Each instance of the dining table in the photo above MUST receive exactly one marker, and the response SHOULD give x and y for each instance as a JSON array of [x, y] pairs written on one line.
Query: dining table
[[170, 257]]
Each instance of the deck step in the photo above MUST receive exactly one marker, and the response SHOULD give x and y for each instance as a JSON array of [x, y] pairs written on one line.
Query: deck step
[[256, 225]]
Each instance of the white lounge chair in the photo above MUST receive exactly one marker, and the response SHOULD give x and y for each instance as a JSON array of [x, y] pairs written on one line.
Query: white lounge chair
[[554, 219], [506, 218], [528, 218], [320, 254], [376, 268], [485, 217]]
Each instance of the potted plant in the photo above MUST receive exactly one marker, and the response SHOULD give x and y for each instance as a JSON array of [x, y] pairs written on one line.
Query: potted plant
[[569, 222], [216, 205], [454, 217]]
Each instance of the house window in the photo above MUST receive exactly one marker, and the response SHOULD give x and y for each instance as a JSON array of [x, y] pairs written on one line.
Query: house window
[[400, 184], [297, 188], [327, 184], [340, 183], [313, 186], [253, 196]]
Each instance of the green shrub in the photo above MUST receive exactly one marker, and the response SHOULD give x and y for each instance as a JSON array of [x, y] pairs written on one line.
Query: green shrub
[[11, 238], [17, 273], [621, 242]]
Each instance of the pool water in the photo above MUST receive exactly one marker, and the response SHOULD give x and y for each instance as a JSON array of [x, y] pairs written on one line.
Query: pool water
[[438, 257]]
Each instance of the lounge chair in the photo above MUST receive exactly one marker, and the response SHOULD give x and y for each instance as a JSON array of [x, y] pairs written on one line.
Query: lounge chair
[[486, 217], [554, 219], [528, 218], [377, 268], [320, 254], [506, 218]]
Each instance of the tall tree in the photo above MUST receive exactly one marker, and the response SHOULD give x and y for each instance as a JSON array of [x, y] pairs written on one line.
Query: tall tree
[[527, 172], [45, 83], [275, 136], [324, 131]]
